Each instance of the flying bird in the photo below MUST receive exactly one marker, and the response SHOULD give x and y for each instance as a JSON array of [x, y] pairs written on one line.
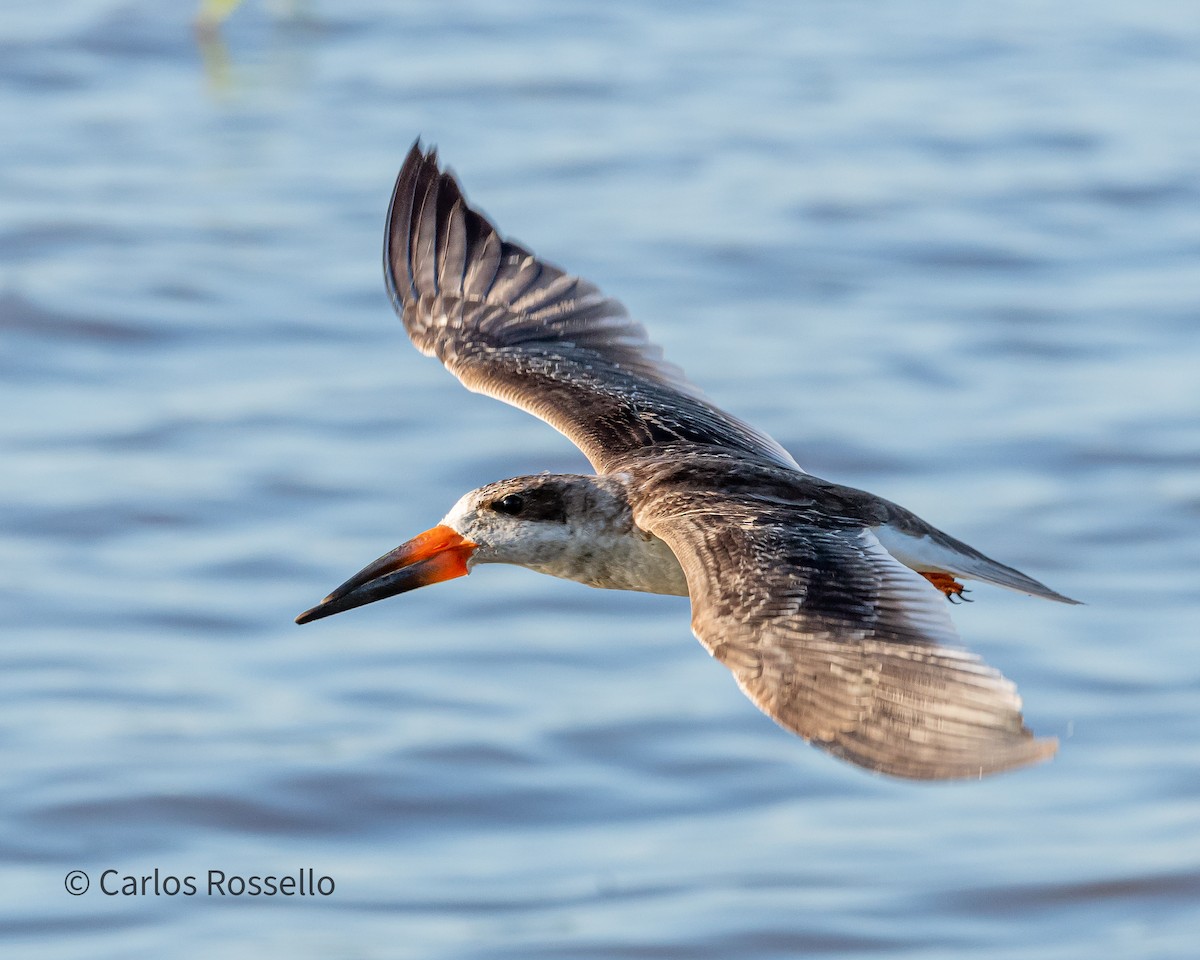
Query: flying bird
[[827, 603]]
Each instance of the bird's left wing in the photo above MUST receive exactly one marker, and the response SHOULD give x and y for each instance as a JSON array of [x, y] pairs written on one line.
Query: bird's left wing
[[835, 639], [521, 330]]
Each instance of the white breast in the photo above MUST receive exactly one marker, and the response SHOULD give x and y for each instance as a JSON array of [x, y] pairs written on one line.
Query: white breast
[[621, 561]]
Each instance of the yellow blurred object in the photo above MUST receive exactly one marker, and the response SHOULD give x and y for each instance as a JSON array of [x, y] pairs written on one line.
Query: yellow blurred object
[[213, 13]]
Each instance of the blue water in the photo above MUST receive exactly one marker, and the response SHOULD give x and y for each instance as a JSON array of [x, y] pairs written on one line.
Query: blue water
[[947, 253]]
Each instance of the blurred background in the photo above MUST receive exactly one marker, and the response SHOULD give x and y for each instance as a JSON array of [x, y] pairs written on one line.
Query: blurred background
[[946, 253]]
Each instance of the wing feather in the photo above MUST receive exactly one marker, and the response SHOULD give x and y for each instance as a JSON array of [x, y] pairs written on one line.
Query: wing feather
[[522, 330], [836, 640], [453, 248]]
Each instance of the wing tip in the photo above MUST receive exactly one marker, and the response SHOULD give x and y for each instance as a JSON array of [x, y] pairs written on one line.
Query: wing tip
[[1047, 748], [1031, 750], [419, 172], [1025, 584], [1063, 598], [1008, 757]]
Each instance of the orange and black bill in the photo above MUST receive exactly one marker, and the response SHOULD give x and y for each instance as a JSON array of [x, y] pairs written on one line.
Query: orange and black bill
[[430, 557]]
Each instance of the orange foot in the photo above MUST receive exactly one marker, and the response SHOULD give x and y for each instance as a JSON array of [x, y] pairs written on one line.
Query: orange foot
[[948, 585]]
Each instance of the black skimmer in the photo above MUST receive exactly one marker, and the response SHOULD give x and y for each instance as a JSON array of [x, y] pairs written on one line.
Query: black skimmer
[[828, 604]]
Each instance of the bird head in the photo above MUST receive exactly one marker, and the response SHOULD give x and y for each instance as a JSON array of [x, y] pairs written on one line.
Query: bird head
[[550, 523]]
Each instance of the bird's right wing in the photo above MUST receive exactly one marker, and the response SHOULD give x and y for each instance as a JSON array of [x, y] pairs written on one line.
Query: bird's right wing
[[837, 641], [521, 330]]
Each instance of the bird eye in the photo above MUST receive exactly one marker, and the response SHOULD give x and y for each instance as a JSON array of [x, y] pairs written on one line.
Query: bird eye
[[511, 504]]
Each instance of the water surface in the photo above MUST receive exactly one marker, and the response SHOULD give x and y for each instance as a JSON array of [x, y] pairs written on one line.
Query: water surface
[[948, 255]]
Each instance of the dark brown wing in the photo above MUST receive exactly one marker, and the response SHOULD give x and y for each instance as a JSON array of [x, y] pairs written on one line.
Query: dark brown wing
[[519, 329], [836, 640]]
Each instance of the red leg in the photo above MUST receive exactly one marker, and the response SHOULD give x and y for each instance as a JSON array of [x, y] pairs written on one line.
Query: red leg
[[948, 585]]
